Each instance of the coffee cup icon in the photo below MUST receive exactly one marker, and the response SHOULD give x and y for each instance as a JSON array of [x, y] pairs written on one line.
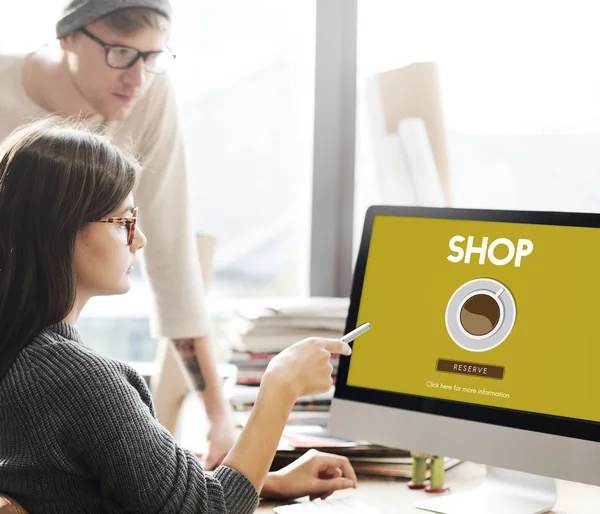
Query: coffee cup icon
[[480, 314]]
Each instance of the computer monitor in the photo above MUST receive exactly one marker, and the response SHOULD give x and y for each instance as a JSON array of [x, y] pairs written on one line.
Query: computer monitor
[[485, 347]]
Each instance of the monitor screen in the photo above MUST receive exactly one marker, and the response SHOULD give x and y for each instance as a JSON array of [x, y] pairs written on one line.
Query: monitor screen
[[480, 315]]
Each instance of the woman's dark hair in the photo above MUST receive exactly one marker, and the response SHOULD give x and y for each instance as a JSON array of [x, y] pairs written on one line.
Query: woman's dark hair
[[54, 178]]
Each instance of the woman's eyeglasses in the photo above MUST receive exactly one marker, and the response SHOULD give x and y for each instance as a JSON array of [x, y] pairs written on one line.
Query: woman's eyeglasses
[[124, 57], [129, 222]]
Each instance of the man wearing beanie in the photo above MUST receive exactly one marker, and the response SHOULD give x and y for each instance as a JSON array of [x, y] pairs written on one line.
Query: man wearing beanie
[[108, 66]]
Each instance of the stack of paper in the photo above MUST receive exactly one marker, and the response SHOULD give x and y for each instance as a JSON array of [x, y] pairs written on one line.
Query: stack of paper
[[259, 333], [271, 328]]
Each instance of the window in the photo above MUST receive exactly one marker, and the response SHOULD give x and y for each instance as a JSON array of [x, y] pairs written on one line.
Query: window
[[520, 91], [246, 81], [245, 78]]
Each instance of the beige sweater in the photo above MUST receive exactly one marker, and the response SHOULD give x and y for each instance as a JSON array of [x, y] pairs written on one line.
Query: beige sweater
[[152, 133]]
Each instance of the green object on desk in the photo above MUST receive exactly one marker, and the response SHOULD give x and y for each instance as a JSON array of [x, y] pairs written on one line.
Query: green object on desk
[[419, 473], [437, 472], [419, 470]]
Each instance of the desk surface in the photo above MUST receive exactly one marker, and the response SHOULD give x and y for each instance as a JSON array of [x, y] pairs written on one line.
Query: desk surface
[[393, 497]]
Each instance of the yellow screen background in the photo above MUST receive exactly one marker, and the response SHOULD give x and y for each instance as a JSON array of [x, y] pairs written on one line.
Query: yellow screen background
[[552, 355]]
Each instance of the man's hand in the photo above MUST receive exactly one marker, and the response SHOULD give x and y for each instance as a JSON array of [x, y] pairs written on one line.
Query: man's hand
[[315, 474], [221, 438]]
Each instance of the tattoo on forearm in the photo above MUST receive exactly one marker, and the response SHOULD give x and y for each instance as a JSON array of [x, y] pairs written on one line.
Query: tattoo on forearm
[[187, 352]]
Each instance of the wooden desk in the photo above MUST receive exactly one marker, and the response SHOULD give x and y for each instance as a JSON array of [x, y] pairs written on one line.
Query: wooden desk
[[393, 497]]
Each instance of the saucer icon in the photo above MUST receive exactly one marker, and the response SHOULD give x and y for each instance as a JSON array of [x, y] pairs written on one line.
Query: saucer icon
[[480, 315]]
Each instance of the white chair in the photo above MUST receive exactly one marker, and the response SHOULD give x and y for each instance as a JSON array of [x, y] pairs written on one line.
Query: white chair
[[408, 136]]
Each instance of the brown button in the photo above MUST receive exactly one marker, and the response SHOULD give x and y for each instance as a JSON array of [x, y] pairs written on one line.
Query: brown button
[[470, 368]]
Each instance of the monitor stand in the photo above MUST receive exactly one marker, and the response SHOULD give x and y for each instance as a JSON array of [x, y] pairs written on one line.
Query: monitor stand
[[503, 491]]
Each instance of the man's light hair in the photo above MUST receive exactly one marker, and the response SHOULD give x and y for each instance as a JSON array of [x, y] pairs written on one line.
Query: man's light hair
[[128, 21]]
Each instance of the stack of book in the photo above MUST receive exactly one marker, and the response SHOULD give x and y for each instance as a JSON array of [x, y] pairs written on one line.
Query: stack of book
[[258, 334], [310, 411], [272, 328], [243, 398], [252, 366]]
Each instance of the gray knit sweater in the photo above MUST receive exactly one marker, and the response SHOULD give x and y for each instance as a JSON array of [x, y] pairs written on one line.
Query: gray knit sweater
[[78, 434]]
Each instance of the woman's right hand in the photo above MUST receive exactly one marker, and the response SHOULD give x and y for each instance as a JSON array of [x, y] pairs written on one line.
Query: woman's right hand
[[305, 367]]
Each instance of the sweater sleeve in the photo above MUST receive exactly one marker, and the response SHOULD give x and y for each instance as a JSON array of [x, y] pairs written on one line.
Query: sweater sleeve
[[111, 428], [170, 258]]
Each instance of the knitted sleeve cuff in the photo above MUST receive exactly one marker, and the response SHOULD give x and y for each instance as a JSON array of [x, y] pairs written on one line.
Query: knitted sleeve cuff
[[240, 495]]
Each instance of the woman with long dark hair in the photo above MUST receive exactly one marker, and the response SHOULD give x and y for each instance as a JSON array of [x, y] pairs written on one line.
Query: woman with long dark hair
[[77, 429]]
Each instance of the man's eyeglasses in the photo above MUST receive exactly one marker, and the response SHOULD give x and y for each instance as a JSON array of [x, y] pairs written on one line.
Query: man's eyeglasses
[[124, 57], [130, 223]]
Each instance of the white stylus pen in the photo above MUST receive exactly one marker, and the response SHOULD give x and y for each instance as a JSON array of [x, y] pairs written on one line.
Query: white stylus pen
[[351, 336]]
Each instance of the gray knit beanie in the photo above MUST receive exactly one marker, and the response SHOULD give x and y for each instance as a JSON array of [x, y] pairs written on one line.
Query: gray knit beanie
[[78, 13]]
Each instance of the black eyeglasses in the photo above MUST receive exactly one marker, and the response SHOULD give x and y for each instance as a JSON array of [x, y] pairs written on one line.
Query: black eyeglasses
[[124, 57]]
